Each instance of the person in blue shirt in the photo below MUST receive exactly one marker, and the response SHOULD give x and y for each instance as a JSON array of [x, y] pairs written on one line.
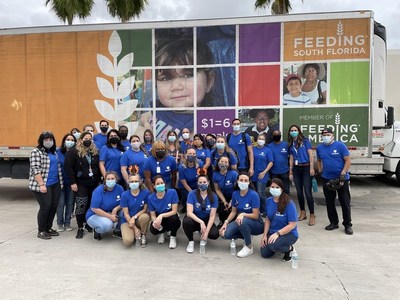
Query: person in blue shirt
[[66, 202], [221, 148], [202, 206], [186, 141], [110, 155], [263, 161], [245, 219], [301, 170], [280, 229], [334, 162], [187, 171], [159, 163], [172, 144], [134, 156], [148, 140], [163, 207], [103, 213], [135, 220], [90, 128], [202, 152], [224, 179], [123, 134], [280, 152], [101, 138]]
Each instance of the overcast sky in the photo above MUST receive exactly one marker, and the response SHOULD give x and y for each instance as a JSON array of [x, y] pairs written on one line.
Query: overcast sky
[[27, 13]]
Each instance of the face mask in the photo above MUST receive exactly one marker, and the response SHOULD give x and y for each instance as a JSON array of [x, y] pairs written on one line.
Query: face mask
[[172, 138], [260, 143], [210, 143], [294, 133], [114, 140], [69, 144], [236, 127], [243, 186], [134, 185], [48, 144], [135, 145], [110, 183], [103, 129], [123, 135], [327, 139], [222, 167], [203, 186], [220, 146], [185, 136], [160, 153], [77, 135], [191, 158], [147, 139], [276, 192], [276, 138], [160, 188], [87, 143]]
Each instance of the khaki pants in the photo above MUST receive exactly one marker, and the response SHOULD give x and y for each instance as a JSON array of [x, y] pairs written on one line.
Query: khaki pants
[[128, 234]]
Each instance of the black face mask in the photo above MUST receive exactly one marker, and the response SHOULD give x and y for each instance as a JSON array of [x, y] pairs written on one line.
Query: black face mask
[[104, 129], [160, 153], [191, 158], [276, 138], [87, 143], [123, 135], [210, 143], [114, 140]]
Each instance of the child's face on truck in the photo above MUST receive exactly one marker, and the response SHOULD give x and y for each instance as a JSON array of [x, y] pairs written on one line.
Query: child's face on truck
[[175, 88], [294, 87]]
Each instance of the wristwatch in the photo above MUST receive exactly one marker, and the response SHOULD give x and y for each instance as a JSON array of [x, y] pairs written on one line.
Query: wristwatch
[[278, 233]]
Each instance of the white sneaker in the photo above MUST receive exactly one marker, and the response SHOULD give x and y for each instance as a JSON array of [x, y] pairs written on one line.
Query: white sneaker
[[137, 242], [68, 228], [190, 247], [246, 251], [172, 242], [143, 243], [161, 238], [60, 228]]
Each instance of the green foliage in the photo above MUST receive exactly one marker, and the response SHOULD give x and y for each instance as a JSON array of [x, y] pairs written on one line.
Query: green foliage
[[126, 9], [66, 10], [278, 7]]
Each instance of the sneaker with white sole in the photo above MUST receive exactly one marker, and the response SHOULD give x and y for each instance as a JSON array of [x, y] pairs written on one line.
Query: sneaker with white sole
[[137, 242], [161, 238], [60, 228], [68, 228], [172, 242], [246, 251], [143, 242], [287, 256], [190, 247]]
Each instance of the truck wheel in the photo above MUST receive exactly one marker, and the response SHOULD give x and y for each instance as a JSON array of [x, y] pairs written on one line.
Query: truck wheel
[[398, 173]]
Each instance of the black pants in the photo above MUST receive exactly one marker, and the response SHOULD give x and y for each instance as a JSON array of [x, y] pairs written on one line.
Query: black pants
[[48, 203], [222, 212], [171, 223], [344, 199], [190, 226], [83, 198]]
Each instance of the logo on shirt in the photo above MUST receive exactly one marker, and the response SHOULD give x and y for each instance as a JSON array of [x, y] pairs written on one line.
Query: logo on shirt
[[208, 207], [118, 198], [247, 206], [262, 153], [335, 152], [228, 182], [169, 205], [284, 150]]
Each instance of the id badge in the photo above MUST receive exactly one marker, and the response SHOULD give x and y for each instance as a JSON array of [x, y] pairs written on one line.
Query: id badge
[[158, 171], [296, 162], [90, 173]]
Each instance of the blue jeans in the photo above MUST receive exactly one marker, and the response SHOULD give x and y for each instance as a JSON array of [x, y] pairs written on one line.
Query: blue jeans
[[302, 180], [285, 178], [100, 224], [65, 206], [260, 186], [281, 245], [244, 231]]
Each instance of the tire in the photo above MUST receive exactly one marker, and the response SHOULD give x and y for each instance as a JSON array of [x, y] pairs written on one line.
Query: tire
[[398, 173]]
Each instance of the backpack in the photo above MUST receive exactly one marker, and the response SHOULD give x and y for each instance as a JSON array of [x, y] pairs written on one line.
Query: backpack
[[235, 152]]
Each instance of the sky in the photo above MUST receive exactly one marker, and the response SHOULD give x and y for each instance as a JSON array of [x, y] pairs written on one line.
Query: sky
[[30, 13]]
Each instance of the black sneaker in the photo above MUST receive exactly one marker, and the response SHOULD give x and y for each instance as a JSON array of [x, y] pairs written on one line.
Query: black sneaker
[[332, 227], [288, 255], [88, 228], [348, 230], [44, 235], [79, 233], [52, 232], [96, 236], [117, 233]]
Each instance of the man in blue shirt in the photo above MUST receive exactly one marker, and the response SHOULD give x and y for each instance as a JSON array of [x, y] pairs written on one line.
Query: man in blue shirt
[[334, 163], [101, 137], [280, 151]]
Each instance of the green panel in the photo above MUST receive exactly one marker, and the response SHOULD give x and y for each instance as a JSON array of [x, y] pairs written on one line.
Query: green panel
[[349, 124], [138, 42], [349, 83]]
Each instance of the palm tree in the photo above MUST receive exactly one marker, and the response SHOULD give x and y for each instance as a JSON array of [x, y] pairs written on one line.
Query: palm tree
[[126, 9], [67, 10], [278, 7]]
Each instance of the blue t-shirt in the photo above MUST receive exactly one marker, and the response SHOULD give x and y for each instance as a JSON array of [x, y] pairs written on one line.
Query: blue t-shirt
[[184, 145], [61, 159], [111, 157], [105, 200], [280, 153], [133, 203], [215, 155], [130, 158], [165, 166], [246, 203], [100, 139], [225, 182], [262, 157], [198, 210], [160, 206], [189, 174], [53, 170], [301, 154], [202, 154], [332, 157], [278, 221], [148, 148], [240, 146], [126, 144]]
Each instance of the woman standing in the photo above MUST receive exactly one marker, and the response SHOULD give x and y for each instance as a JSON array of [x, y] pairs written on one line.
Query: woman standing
[[134, 156], [82, 169], [245, 215], [280, 230], [46, 182], [301, 170], [163, 207], [222, 149], [202, 152], [202, 206], [103, 213], [172, 145], [148, 138]]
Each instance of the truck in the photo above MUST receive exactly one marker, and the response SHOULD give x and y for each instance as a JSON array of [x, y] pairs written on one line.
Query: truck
[[200, 75]]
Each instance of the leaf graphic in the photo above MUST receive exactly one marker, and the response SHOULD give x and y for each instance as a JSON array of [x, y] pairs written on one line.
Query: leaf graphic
[[115, 44], [125, 110], [105, 65], [132, 127], [125, 87], [105, 88], [125, 64], [105, 109]]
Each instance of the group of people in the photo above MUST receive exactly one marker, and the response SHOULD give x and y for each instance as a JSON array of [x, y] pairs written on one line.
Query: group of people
[[130, 186]]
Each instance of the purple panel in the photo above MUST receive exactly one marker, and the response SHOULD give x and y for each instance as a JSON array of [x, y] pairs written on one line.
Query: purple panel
[[259, 42], [215, 121]]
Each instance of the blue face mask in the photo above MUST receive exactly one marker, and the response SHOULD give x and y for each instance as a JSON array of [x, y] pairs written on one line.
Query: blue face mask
[[276, 192], [203, 186], [294, 133], [69, 144], [134, 185], [160, 188], [327, 139], [243, 186], [110, 183], [172, 138], [236, 127], [220, 146]]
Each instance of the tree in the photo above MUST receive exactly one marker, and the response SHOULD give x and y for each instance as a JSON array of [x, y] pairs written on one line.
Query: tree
[[278, 7], [126, 9], [67, 10]]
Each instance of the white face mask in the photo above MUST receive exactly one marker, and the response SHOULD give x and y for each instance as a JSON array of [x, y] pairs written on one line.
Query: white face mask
[[261, 143], [276, 192], [185, 135], [135, 145], [48, 144], [236, 127], [327, 139], [69, 144]]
